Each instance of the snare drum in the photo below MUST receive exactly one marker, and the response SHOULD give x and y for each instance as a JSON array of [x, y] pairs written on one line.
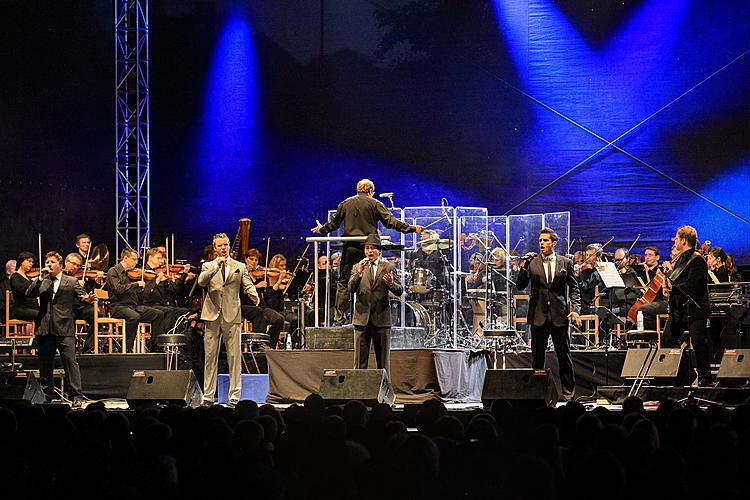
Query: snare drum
[[423, 281]]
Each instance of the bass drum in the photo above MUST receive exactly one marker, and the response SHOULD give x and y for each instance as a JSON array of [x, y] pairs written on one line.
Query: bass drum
[[415, 315]]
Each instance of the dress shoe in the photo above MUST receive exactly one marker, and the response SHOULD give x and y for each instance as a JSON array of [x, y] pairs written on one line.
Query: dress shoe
[[232, 403], [207, 404], [77, 402]]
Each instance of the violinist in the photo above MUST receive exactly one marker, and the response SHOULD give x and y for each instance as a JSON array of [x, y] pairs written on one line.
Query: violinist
[[160, 292], [123, 296], [621, 299], [276, 293], [81, 309], [24, 308], [90, 280], [646, 273], [686, 290], [271, 318], [588, 278]]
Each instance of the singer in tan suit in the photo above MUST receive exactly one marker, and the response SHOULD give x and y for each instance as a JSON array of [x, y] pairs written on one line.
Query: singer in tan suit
[[224, 278]]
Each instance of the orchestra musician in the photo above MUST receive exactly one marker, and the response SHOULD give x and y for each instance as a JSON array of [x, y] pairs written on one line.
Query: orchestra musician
[[160, 292], [55, 330], [83, 244], [646, 273], [224, 279], [276, 295], [686, 290], [554, 300], [272, 318], [589, 281], [717, 270], [24, 307], [718, 327], [10, 268], [124, 299], [360, 215], [372, 280]]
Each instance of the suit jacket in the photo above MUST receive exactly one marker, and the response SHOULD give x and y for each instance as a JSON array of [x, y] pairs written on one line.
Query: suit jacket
[[372, 305], [223, 297], [550, 301], [689, 276], [56, 315], [360, 215]]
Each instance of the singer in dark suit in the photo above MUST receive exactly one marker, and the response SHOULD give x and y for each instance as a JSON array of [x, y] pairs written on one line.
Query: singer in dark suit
[[371, 280], [55, 331], [360, 215], [553, 301]]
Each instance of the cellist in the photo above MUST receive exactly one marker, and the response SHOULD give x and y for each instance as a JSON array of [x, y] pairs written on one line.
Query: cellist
[[646, 273]]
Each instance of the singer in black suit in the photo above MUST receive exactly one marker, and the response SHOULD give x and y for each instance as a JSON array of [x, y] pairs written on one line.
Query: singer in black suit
[[553, 301], [55, 331], [360, 215], [371, 280], [686, 289]]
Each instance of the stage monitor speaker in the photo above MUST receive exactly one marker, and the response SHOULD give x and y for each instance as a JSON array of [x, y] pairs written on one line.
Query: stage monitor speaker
[[20, 386], [520, 386], [671, 367], [368, 386], [734, 370], [661, 366], [178, 387]]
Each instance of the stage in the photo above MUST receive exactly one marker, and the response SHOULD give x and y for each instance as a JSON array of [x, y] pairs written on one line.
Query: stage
[[418, 374]]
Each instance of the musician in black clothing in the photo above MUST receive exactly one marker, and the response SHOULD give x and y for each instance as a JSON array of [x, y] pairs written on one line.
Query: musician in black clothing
[[686, 290], [159, 293], [360, 215], [717, 270], [124, 298], [10, 268], [646, 273], [589, 281], [719, 327], [272, 319], [24, 308]]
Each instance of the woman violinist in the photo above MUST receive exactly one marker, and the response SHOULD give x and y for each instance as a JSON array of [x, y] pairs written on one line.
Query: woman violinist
[[24, 308]]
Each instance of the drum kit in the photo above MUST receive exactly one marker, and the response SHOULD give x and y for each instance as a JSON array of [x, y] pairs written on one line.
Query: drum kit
[[429, 300]]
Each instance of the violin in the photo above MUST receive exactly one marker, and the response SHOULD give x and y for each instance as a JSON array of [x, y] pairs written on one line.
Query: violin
[[91, 274], [33, 272], [271, 272]]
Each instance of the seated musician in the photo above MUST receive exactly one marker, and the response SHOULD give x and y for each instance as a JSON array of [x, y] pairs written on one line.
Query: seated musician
[[621, 299], [82, 310], [124, 297], [717, 270], [646, 273], [83, 244], [276, 295], [10, 268], [719, 327], [428, 255], [24, 308], [161, 290], [589, 279], [256, 314]]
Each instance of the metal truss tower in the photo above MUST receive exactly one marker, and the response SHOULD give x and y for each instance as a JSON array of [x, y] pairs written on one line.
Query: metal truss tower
[[132, 143]]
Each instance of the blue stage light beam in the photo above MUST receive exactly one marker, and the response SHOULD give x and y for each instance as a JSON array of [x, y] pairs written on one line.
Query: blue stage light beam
[[229, 145]]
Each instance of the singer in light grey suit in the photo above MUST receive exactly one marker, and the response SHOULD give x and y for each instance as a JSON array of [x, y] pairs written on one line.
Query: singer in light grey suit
[[372, 279], [224, 278]]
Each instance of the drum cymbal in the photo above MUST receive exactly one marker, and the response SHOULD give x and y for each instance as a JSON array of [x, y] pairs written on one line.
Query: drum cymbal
[[431, 244]]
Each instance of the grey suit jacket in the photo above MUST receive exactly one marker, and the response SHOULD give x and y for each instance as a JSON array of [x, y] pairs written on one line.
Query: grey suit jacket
[[223, 297], [56, 314], [372, 304]]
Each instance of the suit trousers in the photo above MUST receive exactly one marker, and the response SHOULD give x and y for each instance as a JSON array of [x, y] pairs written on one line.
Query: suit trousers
[[230, 332], [47, 345], [381, 340], [539, 338]]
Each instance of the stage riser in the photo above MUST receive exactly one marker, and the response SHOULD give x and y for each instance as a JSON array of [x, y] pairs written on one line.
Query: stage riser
[[343, 338]]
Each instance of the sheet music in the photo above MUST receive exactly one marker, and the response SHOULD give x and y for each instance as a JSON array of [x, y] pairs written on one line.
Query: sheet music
[[609, 274]]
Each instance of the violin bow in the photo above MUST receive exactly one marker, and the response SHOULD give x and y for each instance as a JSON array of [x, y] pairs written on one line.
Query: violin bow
[[634, 242], [268, 249], [40, 254]]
